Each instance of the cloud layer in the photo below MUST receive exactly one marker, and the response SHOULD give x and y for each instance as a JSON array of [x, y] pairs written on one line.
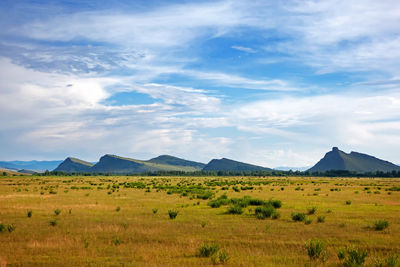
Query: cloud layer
[[273, 83]]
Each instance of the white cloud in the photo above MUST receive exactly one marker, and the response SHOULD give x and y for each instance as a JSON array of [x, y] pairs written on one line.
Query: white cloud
[[244, 49]]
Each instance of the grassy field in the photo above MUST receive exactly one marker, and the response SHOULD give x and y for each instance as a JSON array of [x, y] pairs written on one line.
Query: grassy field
[[124, 221]]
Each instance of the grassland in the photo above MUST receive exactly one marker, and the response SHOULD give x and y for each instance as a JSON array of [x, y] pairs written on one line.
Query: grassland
[[114, 221]]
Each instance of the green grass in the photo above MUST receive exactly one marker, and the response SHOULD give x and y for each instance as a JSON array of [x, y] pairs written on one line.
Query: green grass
[[89, 232]]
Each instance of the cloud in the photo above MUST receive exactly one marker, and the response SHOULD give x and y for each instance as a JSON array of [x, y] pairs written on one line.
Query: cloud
[[244, 49]]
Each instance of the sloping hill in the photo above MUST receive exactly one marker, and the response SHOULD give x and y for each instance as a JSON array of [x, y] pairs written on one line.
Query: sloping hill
[[231, 165], [74, 165], [5, 172], [357, 162], [34, 165], [170, 160], [116, 164]]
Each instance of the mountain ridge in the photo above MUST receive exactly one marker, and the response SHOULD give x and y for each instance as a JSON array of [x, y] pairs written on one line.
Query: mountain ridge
[[353, 161]]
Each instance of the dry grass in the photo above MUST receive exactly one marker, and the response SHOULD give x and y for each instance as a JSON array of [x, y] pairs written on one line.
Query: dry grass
[[86, 235]]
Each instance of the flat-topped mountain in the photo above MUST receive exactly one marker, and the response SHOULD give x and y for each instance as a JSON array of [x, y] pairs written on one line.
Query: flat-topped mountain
[[357, 162], [74, 165], [225, 164]]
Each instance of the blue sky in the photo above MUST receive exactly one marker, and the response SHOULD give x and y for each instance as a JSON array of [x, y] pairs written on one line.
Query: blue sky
[[274, 83]]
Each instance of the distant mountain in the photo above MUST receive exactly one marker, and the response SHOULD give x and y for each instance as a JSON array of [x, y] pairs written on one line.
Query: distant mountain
[[284, 168], [116, 164], [357, 162], [30, 165], [170, 160], [74, 165], [232, 165]]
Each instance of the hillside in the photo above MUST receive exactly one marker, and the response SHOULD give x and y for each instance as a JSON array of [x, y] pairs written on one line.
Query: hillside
[[5, 172], [231, 165], [357, 162], [170, 160], [116, 164], [74, 165], [34, 165]]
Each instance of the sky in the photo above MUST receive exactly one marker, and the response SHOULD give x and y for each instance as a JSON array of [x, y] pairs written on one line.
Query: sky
[[273, 83]]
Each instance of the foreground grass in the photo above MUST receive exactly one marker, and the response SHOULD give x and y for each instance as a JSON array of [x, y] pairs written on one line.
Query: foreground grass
[[111, 220]]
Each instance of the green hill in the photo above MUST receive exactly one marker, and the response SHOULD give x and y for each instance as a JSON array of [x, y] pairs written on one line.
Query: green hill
[[116, 164], [357, 162], [170, 160], [231, 165], [74, 165]]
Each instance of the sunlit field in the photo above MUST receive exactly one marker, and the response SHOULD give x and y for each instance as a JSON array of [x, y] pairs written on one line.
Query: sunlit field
[[146, 221]]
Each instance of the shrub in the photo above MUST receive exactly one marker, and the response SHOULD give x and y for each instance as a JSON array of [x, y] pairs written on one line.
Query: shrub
[[29, 213], [311, 210], [275, 215], [207, 250], [2, 227], [235, 209], [298, 217], [381, 225], [172, 214], [321, 219], [223, 256], [116, 241], [392, 261], [315, 249], [308, 221], [203, 224], [57, 211], [216, 203], [341, 253], [220, 258], [355, 257], [348, 202], [155, 211], [264, 211], [53, 222], [10, 228], [118, 208], [276, 203]]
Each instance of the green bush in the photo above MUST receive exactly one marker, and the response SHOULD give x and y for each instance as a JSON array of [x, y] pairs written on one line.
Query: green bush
[[116, 241], [354, 257], [155, 211], [348, 202], [57, 211], [275, 215], [381, 225], [2, 227], [315, 249], [172, 214], [118, 208], [341, 253], [308, 221], [53, 222], [311, 210], [220, 258], [298, 217], [10, 228], [264, 212], [207, 250], [235, 209], [29, 213], [391, 261], [321, 219], [276, 203]]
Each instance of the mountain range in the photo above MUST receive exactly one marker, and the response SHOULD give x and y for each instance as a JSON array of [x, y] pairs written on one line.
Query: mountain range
[[333, 160]]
